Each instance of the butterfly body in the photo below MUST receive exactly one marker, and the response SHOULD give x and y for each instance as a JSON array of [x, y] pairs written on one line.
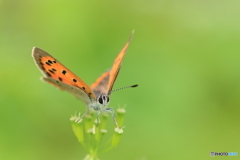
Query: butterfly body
[[95, 97]]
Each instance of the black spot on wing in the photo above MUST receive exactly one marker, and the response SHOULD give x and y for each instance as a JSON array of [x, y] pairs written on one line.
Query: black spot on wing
[[49, 61], [51, 71], [64, 72], [74, 80], [54, 61], [60, 79], [54, 69]]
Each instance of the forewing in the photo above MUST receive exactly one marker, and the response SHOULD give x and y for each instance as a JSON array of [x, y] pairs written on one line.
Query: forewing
[[54, 70], [113, 73]]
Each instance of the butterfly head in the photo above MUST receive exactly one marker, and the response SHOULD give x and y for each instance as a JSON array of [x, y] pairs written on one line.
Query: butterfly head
[[103, 99]]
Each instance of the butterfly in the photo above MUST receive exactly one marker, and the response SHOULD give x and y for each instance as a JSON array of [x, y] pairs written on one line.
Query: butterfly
[[96, 96]]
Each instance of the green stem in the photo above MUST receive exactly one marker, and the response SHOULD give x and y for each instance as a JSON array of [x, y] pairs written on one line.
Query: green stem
[[91, 157]]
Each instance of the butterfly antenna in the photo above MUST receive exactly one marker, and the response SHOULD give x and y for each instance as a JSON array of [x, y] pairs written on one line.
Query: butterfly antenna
[[132, 86]]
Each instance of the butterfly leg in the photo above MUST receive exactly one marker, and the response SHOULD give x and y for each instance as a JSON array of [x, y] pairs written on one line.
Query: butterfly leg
[[110, 110], [98, 114], [80, 118]]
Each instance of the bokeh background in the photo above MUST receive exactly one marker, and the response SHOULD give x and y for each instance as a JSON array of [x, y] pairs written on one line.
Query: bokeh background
[[185, 56]]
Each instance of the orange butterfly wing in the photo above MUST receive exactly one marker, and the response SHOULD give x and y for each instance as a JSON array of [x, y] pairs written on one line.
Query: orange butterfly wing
[[106, 81], [53, 69], [100, 86]]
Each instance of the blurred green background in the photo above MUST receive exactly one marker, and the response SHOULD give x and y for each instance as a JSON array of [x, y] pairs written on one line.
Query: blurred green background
[[184, 55]]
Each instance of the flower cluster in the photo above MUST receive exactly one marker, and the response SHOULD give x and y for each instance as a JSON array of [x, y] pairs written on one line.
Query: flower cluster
[[90, 132]]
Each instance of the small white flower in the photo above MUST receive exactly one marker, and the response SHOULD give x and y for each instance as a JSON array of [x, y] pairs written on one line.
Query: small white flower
[[92, 130], [121, 110], [103, 130], [119, 129]]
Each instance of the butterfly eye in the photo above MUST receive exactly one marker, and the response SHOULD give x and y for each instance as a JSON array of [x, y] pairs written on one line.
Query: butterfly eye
[[100, 100]]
